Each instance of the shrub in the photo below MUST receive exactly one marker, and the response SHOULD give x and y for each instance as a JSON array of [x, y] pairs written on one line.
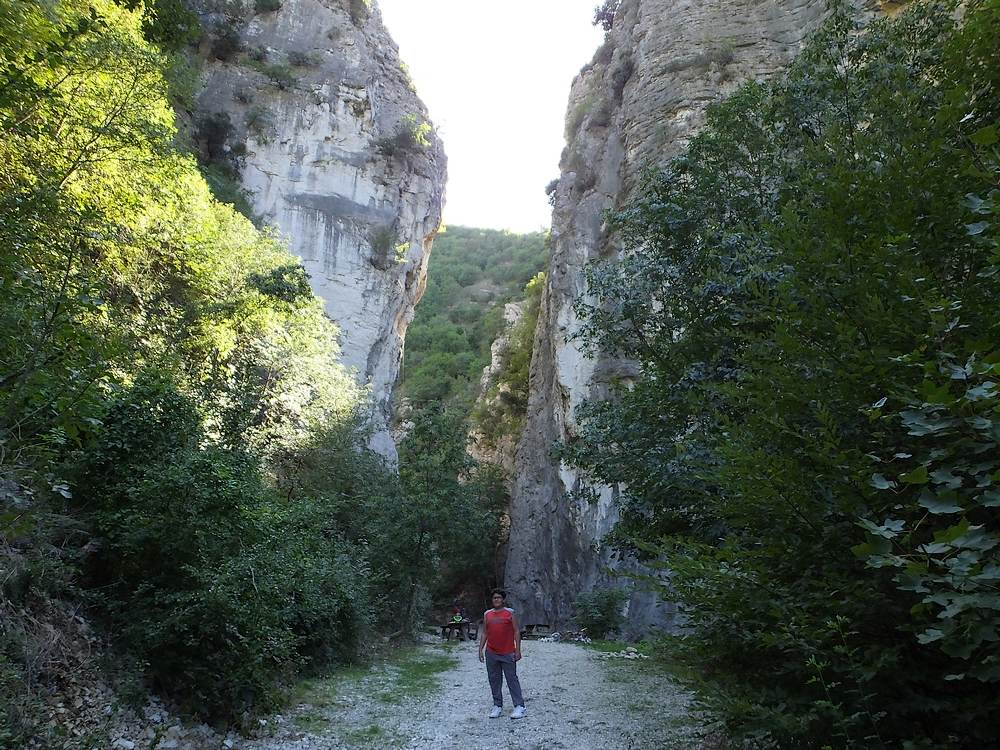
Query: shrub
[[410, 138], [578, 113], [601, 116], [620, 77], [301, 59], [177, 520], [383, 241], [502, 409], [213, 133], [260, 122], [550, 191], [207, 580], [605, 53], [280, 75], [360, 10], [227, 43], [183, 76], [604, 15], [599, 612], [266, 6], [224, 181]]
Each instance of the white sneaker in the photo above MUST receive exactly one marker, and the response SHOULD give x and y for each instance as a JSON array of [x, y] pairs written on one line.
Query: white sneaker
[[496, 712], [517, 713]]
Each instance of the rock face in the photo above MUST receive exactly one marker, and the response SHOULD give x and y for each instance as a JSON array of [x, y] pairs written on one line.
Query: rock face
[[501, 453], [339, 158], [634, 106]]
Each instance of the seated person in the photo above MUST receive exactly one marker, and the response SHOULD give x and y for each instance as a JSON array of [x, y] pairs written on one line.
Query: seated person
[[457, 621]]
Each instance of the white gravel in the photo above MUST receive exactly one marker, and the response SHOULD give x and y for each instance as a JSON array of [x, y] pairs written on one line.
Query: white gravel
[[575, 700]]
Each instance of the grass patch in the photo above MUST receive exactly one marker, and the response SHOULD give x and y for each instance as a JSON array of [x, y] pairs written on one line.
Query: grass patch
[[403, 674], [415, 674], [313, 722], [322, 692], [365, 735]]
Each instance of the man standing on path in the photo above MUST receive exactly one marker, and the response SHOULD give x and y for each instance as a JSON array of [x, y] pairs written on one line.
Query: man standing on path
[[501, 639]]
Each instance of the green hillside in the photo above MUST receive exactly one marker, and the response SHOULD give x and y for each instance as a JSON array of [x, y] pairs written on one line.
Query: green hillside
[[472, 274]]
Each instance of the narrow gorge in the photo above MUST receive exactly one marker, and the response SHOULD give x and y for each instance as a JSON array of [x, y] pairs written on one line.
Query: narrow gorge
[[271, 432]]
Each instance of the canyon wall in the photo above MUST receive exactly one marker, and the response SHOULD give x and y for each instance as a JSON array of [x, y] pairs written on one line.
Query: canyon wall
[[633, 107], [335, 151]]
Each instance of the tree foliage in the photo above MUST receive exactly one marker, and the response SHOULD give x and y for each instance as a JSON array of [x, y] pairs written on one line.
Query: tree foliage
[[604, 14], [599, 612], [811, 450], [180, 449], [472, 274]]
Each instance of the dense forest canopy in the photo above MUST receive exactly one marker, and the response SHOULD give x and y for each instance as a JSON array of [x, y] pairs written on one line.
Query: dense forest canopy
[[181, 453], [812, 451]]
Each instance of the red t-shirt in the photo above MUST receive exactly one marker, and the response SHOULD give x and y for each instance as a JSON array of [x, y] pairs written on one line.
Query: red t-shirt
[[499, 626]]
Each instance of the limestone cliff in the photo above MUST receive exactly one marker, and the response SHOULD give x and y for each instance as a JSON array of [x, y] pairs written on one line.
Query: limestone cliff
[[634, 106], [336, 152], [500, 451]]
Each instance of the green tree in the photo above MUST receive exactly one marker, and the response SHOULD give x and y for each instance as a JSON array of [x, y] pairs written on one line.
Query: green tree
[[165, 373], [807, 290], [447, 525]]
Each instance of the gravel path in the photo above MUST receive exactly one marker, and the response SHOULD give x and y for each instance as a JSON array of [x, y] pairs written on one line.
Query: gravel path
[[575, 700]]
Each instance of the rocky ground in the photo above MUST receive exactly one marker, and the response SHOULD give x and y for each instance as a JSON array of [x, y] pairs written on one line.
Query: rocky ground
[[438, 698]]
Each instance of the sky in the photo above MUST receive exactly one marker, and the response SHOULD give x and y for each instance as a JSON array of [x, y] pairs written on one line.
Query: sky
[[495, 76]]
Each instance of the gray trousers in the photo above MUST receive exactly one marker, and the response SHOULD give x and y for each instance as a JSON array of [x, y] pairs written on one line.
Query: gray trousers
[[498, 668]]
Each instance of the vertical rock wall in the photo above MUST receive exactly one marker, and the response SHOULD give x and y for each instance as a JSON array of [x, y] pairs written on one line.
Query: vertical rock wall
[[634, 106], [327, 113]]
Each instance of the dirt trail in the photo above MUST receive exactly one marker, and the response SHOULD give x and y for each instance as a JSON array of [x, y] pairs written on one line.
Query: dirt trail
[[575, 700]]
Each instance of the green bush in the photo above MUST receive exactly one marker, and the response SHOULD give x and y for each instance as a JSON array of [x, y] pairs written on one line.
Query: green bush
[[599, 612], [360, 10], [266, 6], [209, 581], [503, 409], [280, 75], [227, 42], [302, 59], [177, 518], [411, 137], [260, 121]]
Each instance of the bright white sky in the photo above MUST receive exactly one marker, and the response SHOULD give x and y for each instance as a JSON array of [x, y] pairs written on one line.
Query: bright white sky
[[495, 75]]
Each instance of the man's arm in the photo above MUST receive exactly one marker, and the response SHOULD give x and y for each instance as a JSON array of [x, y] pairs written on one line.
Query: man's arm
[[482, 639], [517, 636]]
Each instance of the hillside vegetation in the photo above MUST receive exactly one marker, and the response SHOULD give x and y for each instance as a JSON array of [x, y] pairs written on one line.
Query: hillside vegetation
[[813, 449], [472, 274], [182, 458]]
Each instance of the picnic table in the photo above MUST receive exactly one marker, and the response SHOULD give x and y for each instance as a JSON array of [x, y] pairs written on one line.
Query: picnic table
[[464, 627]]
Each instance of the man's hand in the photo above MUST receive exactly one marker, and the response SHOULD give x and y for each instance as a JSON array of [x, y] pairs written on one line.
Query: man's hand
[[481, 657], [517, 654]]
